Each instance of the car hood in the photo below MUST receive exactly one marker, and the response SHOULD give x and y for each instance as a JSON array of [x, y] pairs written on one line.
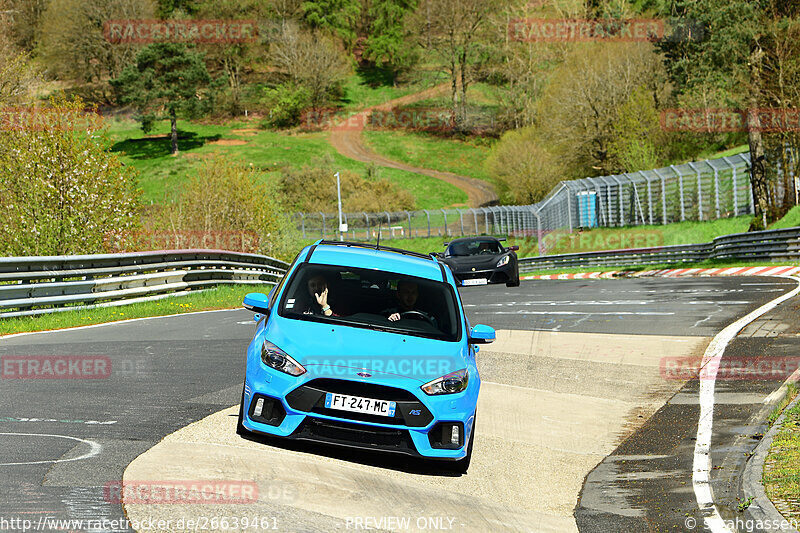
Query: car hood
[[339, 351], [468, 262]]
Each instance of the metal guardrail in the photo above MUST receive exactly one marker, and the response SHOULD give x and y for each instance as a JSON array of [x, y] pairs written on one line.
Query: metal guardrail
[[39, 285], [770, 245]]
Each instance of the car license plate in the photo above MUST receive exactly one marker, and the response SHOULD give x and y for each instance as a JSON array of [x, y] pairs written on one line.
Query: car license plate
[[478, 281], [356, 404]]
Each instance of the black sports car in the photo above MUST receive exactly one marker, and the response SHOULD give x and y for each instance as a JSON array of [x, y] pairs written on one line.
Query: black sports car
[[481, 260]]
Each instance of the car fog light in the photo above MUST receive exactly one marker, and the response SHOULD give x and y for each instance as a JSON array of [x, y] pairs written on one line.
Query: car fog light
[[259, 407], [454, 437]]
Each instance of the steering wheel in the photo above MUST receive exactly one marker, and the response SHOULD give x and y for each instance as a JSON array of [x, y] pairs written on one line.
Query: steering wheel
[[417, 315]]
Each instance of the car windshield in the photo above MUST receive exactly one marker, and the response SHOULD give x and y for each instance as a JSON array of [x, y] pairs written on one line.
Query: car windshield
[[476, 247], [372, 299]]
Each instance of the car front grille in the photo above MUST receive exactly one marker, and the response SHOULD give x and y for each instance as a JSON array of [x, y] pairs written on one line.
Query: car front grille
[[310, 398]]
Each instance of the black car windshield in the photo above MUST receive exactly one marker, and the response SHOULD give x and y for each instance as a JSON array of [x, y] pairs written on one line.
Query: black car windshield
[[372, 299], [475, 247]]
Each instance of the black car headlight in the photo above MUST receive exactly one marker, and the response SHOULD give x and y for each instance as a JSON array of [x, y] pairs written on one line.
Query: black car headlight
[[450, 384], [503, 261], [274, 357]]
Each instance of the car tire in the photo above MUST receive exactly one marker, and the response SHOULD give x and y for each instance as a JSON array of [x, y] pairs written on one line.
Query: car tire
[[240, 429], [514, 282], [462, 465]]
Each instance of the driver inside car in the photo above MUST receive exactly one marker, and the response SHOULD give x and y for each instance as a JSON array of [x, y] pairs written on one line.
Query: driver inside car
[[407, 294]]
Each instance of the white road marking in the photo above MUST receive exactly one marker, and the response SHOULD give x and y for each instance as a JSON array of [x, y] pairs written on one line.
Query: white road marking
[[3, 337], [701, 467], [603, 302], [94, 449]]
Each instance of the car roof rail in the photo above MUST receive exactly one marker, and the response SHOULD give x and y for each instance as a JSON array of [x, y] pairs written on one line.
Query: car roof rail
[[377, 247]]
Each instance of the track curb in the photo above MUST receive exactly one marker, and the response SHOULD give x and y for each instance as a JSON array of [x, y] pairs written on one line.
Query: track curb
[[676, 273], [761, 509]]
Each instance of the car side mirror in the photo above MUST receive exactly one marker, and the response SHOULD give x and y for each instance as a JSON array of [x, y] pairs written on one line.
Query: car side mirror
[[513, 248], [480, 334], [256, 302]]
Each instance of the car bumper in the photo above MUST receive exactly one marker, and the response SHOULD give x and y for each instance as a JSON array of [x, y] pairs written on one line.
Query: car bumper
[[290, 419], [503, 274]]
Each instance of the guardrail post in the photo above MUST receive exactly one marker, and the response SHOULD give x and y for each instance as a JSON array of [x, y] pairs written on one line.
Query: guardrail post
[[680, 187]]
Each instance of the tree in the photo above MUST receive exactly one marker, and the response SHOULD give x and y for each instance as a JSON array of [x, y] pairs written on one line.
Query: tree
[[451, 30], [63, 192], [311, 61], [74, 48], [387, 43], [24, 18], [747, 58], [336, 16], [233, 60], [579, 107], [167, 79], [18, 77]]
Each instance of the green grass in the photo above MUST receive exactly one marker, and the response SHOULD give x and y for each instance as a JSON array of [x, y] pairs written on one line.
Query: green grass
[[781, 475], [222, 297], [369, 88], [789, 220], [161, 174], [463, 157], [733, 151], [776, 413]]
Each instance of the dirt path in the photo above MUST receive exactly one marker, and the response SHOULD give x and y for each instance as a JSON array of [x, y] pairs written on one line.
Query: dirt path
[[346, 138]]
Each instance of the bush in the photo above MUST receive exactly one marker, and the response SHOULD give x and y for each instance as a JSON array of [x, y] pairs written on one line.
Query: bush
[[226, 198], [286, 104], [313, 189], [62, 191]]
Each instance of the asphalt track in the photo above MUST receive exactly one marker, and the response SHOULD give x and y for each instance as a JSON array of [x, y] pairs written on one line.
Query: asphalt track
[[169, 372]]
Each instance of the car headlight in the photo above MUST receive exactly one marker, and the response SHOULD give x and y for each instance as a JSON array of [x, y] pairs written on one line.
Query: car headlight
[[504, 261], [274, 357], [449, 384]]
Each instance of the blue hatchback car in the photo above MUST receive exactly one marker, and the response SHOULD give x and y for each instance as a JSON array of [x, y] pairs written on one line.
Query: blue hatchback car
[[367, 347]]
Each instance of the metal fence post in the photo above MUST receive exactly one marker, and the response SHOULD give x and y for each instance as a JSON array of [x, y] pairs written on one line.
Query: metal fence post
[[649, 198], [663, 196], [303, 223], [475, 219], [716, 188], [446, 229], [409, 224], [699, 192], [461, 220], [366, 217], [621, 201], [323, 224], [680, 187], [429, 221]]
